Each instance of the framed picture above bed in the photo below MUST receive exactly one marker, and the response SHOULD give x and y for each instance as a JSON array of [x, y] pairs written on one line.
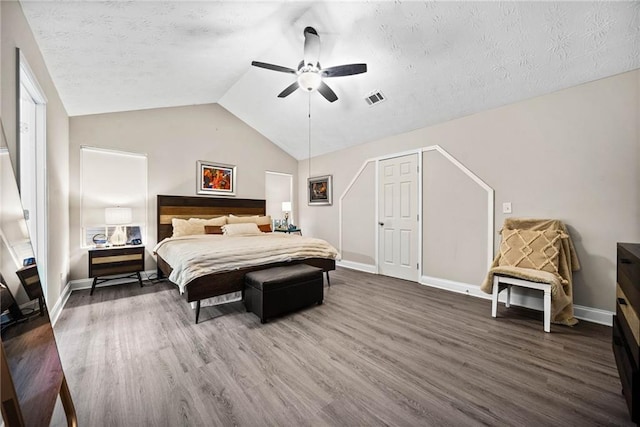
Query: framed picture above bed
[[320, 190], [216, 179]]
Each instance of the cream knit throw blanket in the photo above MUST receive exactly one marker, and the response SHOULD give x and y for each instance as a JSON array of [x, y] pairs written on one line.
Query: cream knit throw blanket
[[539, 250]]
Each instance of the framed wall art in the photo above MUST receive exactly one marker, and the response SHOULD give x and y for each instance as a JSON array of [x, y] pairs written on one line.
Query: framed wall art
[[320, 190], [216, 179]]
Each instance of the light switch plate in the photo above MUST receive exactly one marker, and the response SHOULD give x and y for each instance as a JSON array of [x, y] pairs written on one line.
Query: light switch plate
[[506, 207]]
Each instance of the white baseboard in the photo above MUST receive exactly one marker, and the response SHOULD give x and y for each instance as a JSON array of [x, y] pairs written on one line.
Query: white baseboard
[[367, 268], [79, 284], [594, 315], [54, 313], [589, 314], [453, 286]]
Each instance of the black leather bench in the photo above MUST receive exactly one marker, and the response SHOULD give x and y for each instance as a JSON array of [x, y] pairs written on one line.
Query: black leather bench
[[279, 290]]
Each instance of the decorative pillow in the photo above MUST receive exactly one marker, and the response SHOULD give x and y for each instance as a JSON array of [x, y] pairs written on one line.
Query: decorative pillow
[[213, 229], [531, 249], [264, 220], [265, 228], [243, 229], [183, 227]]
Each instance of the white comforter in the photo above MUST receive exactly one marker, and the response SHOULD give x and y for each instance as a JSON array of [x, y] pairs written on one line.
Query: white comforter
[[195, 256]]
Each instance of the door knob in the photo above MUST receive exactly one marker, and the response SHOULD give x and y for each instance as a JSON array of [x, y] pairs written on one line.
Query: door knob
[[381, 223]]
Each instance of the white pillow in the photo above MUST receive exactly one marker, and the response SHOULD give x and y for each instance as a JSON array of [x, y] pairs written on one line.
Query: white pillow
[[183, 227], [219, 221], [243, 229], [241, 219], [260, 220]]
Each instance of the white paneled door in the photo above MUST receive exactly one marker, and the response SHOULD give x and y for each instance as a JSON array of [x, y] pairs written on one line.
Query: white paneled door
[[398, 217]]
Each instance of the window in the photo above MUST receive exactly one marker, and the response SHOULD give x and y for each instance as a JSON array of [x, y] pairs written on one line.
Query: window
[[112, 179], [278, 189]]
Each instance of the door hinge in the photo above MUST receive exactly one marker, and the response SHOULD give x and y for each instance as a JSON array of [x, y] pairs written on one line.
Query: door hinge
[[418, 266], [418, 217]]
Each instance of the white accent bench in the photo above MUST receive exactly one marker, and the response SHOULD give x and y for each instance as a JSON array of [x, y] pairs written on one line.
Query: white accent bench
[[502, 282]]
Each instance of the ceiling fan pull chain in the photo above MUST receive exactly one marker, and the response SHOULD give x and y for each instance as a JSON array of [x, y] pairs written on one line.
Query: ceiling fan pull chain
[[309, 116]]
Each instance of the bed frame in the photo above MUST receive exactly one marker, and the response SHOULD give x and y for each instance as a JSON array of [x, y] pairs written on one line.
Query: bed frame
[[221, 283]]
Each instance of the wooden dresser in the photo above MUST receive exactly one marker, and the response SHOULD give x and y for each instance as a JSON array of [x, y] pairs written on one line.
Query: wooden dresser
[[626, 325]]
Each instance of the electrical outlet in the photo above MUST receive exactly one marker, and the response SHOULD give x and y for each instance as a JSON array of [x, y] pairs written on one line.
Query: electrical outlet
[[506, 207]]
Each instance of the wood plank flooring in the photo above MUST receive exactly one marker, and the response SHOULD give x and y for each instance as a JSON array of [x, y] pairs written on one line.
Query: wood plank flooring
[[379, 351]]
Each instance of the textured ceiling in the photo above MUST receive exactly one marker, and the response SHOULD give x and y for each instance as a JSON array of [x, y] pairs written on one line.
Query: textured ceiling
[[433, 61]]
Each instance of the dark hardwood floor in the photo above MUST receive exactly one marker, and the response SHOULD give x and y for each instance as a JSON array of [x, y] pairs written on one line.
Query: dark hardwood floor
[[379, 351]]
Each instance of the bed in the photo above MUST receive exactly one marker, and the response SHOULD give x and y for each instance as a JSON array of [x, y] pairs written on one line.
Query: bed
[[224, 281]]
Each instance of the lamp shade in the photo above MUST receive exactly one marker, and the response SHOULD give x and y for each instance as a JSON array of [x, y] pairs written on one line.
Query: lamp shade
[[286, 206], [118, 216]]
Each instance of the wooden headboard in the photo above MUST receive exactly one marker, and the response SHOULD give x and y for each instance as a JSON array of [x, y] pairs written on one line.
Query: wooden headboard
[[186, 207]]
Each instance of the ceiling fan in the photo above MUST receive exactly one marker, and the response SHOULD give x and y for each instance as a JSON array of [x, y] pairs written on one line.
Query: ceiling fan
[[309, 72]]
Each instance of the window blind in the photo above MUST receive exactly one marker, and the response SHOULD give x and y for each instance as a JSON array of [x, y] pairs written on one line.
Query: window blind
[[112, 179]]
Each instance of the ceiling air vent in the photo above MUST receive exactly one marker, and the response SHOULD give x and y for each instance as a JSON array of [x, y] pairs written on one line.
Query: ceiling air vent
[[375, 97]]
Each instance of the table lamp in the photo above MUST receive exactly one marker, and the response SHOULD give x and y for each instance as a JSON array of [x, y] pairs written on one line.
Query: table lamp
[[286, 208], [118, 216]]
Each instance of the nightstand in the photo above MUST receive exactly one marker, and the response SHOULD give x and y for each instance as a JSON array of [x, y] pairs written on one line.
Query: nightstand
[[115, 260], [289, 230], [31, 283]]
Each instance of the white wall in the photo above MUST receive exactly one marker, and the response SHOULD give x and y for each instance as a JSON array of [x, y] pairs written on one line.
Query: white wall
[[572, 155], [173, 139], [455, 221], [359, 218]]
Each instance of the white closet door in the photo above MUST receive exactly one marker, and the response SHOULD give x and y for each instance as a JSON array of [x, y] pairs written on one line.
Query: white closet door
[[398, 217]]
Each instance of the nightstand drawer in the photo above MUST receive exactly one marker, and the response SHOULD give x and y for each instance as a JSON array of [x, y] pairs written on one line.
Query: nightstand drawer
[[30, 281], [107, 262], [628, 274], [626, 369], [628, 312], [625, 326]]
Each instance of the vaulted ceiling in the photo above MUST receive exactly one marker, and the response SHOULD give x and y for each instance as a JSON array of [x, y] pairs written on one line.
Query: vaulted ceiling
[[432, 61]]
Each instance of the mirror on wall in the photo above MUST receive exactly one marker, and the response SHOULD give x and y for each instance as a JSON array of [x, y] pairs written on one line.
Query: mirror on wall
[[17, 261], [31, 367]]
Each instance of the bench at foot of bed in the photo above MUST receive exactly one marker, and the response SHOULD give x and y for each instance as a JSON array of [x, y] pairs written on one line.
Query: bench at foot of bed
[[279, 290]]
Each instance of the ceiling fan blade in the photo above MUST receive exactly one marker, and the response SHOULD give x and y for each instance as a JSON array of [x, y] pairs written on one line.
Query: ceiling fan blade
[[327, 92], [311, 46], [289, 90], [344, 70], [273, 67]]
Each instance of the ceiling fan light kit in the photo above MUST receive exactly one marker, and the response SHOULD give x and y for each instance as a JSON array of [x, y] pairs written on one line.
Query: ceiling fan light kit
[[309, 72], [309, 80]]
